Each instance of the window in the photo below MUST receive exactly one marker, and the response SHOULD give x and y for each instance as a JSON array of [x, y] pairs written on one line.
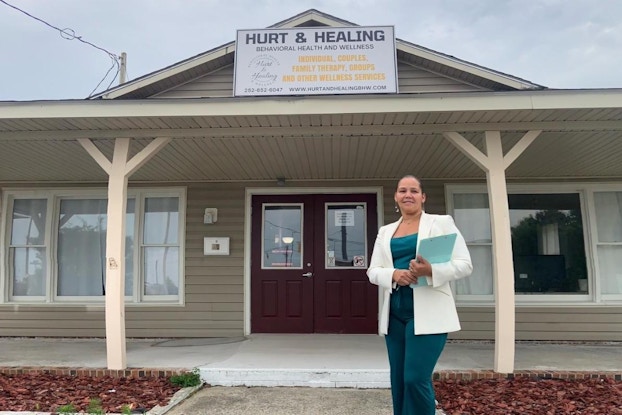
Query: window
[[282, 236], [160, 245], [472, 215], [346, 230], [608, 216], [549, 242], [27, 248], [57, 246]]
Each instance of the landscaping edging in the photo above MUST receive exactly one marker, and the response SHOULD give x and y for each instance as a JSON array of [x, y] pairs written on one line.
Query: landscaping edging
[[439, 375]]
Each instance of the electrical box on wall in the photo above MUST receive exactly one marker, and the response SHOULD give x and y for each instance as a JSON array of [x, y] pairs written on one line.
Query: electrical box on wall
[[216, 246], [210, 216]]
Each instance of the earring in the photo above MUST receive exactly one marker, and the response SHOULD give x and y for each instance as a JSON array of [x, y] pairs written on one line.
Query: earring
[[397, 210]]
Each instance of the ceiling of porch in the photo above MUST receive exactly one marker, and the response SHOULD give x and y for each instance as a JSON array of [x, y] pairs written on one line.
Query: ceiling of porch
[[575, 143]]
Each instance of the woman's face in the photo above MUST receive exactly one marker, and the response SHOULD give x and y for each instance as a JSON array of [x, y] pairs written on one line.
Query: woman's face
[[408, 196]]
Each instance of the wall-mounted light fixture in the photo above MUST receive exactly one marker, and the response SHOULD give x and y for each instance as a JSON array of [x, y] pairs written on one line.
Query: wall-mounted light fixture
[[210, 216]]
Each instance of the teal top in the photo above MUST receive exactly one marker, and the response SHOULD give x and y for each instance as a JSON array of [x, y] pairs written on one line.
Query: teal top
[[403, 249]]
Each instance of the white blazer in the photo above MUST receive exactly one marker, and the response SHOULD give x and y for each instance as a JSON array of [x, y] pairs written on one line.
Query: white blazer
[[434, 306]]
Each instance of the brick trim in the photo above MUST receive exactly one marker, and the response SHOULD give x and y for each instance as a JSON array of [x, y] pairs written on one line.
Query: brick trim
[[536, 374], [93, 372], [440, 375]]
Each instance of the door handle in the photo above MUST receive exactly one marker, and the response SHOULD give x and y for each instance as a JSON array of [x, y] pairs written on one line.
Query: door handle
[[307, 274]]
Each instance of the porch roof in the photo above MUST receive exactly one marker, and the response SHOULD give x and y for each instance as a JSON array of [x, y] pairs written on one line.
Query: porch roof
[[316, 138]]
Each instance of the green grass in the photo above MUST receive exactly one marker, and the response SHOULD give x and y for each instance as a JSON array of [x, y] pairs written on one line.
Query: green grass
[[187, 379]]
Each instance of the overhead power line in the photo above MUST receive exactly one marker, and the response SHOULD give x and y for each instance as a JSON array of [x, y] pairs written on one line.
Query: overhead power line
[[70, 34]]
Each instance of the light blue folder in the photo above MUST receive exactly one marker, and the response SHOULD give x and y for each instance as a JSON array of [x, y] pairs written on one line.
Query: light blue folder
[[435, 250]]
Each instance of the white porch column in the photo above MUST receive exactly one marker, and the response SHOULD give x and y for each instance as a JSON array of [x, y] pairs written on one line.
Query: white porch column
[[115, 257], [495, 164], [118, 171]]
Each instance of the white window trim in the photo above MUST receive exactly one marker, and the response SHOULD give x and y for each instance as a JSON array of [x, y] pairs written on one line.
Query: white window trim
[[586, 193], [53, 196]]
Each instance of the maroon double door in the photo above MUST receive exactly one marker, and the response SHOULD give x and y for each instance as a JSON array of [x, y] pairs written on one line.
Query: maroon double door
[[309, 256]]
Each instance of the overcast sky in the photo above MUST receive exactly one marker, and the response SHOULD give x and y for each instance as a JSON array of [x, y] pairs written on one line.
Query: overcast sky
[[555, 43]]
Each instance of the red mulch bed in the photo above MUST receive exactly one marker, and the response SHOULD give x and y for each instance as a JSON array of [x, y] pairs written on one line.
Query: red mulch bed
[[530, 396], [519, 396], [47, 392]]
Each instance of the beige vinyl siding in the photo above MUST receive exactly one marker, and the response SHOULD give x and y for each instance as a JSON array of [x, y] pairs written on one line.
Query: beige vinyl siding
[[217, 84], [214, 286], [52, 321], [411, 80], [582, 323], [214, 303]]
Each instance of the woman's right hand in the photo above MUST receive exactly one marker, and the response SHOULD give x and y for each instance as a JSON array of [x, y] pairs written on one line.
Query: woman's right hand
[[404, 277]]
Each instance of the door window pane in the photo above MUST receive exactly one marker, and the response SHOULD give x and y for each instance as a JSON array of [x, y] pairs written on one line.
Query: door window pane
[[282, 236], [346, 244], [547, 243], [27, 260]]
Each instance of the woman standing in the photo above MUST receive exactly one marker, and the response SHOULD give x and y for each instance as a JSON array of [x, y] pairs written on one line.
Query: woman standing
[[415, 321]]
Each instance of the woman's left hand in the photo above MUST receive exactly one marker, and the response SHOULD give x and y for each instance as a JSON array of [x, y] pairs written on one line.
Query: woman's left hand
[[420, 267]]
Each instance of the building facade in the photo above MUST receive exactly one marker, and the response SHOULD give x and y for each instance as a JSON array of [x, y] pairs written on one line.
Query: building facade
[[168, 206]]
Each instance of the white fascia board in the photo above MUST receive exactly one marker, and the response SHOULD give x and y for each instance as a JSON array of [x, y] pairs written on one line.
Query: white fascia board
[[484, 101], [303, 19], [464, 66]]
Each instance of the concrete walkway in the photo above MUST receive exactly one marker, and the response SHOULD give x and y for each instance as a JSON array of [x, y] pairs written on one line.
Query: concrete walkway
[[303, 352], [341, 374]]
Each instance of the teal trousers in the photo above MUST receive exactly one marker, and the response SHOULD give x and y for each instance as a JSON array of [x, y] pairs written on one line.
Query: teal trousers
[[411, 358]]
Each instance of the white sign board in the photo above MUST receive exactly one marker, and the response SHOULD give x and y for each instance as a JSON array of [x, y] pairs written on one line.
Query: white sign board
[[315, 61]]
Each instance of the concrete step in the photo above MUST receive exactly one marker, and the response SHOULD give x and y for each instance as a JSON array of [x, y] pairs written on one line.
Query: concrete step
[[324, 378]]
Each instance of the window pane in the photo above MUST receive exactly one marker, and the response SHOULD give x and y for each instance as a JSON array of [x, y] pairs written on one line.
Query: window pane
[[547, 243], [345, 236], [82, 247], [609, 226], [282, 236], [130, 217], [480, 281], [28, 224], [609, 216], [472, 216], [161, 270], [161, 221], [610, 270], [29, 270], [472, 213], [27, 261]]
